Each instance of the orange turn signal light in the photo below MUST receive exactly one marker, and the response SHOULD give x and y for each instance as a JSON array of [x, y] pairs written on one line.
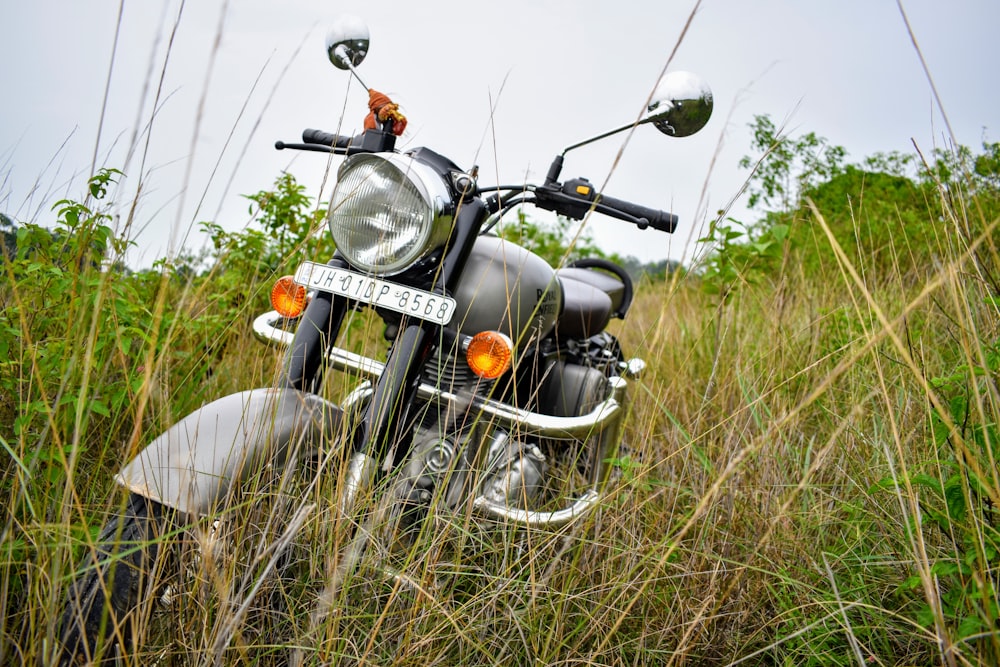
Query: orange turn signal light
[[489, 354], [288, 298]]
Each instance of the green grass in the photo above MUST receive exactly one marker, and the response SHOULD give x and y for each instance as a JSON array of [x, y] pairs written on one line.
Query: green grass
[[810, 475]]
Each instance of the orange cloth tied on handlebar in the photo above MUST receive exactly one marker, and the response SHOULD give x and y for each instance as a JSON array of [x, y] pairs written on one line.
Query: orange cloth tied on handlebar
[[384, 109]]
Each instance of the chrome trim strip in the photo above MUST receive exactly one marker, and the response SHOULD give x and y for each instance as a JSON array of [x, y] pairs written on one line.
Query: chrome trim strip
[[266, 329], [581, 506]]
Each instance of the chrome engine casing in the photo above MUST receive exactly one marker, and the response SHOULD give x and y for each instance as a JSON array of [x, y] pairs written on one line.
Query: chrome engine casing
[[494, 466], [513, 471]]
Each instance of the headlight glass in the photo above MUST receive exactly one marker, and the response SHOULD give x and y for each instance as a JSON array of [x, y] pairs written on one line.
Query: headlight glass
[[386, 212]]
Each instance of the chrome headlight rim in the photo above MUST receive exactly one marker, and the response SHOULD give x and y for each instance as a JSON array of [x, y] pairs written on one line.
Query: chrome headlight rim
[[408, 176]]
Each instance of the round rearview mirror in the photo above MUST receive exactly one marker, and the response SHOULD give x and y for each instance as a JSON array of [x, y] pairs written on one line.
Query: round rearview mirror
[[681, 104], [347, 42]]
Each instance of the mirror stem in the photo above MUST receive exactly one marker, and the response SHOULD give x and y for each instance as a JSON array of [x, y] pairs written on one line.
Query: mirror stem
[[342, 52], [606, 134], [552, 177]]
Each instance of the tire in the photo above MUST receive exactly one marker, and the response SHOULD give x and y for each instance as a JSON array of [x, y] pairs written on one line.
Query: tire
[[99, 608]]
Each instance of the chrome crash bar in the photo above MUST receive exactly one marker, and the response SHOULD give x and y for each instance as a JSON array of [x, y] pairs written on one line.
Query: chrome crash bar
[[604, 421]]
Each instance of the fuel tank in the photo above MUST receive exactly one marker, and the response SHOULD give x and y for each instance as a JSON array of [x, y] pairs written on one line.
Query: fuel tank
[[508, 289]]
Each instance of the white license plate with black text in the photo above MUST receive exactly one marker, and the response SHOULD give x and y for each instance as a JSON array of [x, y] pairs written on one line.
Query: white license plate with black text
[[406, 300]]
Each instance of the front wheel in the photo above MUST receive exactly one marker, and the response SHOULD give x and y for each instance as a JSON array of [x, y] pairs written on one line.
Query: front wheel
[[103, 603]]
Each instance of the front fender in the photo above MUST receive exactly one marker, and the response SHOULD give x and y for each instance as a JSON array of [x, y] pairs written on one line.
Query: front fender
[[192, 465]]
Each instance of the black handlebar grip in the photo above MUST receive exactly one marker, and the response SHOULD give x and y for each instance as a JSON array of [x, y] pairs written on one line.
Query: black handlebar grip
[[576, 196], [661, 220], [311, 136]]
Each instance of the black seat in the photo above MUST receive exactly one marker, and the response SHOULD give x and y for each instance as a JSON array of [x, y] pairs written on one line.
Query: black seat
[[586, 307], [594, 290], [607, 283]]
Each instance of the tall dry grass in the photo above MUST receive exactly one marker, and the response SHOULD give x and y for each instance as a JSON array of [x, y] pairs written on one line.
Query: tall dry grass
[[809, 477]]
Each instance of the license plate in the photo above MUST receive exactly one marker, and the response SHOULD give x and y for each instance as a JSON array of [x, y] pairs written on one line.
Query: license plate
[[406, 300]]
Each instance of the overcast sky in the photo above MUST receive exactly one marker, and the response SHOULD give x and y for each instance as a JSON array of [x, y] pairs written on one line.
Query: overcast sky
[[199, 92]]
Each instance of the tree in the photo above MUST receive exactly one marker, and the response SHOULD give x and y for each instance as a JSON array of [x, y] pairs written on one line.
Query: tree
[[787, 166], [885, 222]]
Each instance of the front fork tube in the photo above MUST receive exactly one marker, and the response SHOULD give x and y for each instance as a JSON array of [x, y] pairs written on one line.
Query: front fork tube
[[314, 336], [379, 431], [303, 370]]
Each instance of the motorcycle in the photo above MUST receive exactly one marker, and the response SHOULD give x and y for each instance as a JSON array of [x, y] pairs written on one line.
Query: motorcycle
[[499, 370]]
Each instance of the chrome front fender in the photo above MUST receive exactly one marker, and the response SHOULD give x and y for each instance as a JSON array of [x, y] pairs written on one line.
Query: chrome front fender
[[193, 464]]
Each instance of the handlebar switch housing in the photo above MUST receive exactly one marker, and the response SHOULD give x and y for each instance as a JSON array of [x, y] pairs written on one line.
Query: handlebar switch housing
[[573, 199], [581, 189], [375, 141]]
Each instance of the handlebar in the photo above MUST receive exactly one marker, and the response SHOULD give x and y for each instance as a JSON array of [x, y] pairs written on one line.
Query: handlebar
[[369, 141], [312, 136], [655, 218], [576, 197]]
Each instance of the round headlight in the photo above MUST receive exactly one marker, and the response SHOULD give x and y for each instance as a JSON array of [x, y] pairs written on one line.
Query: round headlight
[[387, 211]]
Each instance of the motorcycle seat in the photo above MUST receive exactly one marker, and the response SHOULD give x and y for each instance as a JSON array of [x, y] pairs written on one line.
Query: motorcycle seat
[[589, 299], [607, 283]]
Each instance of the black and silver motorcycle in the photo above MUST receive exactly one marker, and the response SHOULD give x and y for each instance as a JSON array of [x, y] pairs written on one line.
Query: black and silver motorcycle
[[499, 376]]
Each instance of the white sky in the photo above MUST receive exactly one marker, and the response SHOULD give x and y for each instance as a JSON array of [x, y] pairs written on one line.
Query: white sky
[[558, 71]]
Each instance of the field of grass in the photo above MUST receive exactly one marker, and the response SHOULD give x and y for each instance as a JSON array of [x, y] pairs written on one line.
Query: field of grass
[[810, 475]]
